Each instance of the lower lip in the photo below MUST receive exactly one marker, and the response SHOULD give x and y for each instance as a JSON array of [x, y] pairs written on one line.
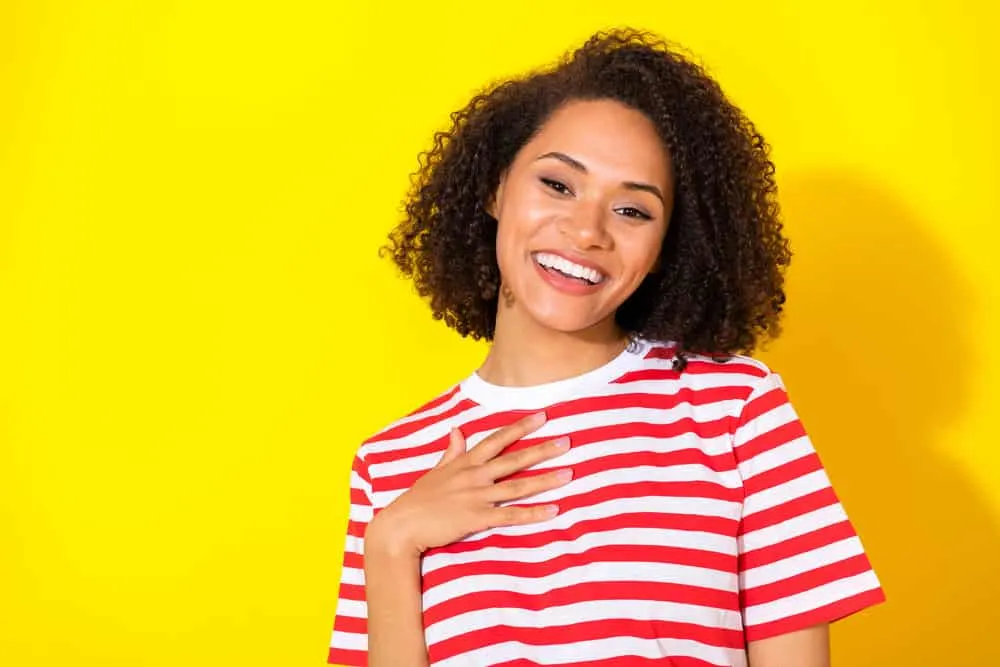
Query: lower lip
[[565, 284]]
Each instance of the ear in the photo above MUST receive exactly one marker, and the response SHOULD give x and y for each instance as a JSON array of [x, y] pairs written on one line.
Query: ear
[[493, 206]]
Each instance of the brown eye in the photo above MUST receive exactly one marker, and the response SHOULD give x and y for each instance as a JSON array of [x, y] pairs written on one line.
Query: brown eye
[[630, 212], [561, 188]]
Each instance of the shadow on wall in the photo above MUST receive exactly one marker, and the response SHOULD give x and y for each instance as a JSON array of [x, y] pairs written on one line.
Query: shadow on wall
[[877, 354]]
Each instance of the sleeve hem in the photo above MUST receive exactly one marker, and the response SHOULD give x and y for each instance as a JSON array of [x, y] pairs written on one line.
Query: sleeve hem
[[826, 614], [347, 657]]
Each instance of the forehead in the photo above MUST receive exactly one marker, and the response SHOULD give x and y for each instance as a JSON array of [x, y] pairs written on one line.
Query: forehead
[[605, 136]]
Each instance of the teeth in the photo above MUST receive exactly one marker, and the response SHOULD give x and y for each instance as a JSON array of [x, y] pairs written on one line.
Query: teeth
[[569, 268]]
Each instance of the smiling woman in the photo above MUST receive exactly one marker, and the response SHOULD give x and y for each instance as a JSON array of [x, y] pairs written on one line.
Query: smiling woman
[[618, 483]]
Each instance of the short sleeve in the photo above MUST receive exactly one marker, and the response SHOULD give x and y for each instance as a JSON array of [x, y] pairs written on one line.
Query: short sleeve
[[349, 643], [801, 563]]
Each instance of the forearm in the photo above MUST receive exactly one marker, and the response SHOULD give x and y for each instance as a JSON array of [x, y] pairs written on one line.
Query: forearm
[[395, 610], [803, 648]]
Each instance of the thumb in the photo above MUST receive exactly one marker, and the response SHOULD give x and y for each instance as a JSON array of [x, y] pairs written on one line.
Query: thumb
[[456, 447]]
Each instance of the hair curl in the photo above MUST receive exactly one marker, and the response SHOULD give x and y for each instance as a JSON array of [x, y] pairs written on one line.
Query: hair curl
[[719, 288]]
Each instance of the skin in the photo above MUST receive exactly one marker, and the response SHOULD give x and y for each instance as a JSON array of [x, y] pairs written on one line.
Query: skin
[[595, 186]]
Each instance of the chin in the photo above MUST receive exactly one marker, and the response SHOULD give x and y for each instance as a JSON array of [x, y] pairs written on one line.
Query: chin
[[564, 320]]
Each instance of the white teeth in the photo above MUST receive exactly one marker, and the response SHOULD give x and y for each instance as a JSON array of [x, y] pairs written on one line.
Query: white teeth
[[569, 268]]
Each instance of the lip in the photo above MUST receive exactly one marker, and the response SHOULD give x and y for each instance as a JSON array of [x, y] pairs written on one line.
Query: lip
[[565, 284], [574, 259]]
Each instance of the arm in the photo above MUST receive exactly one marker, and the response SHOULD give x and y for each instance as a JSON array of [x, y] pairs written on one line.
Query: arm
[[802, 648], [395, 612], [457, 497]]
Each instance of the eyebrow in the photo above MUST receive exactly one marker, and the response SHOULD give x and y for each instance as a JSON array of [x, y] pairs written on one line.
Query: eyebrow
[[580, 167]]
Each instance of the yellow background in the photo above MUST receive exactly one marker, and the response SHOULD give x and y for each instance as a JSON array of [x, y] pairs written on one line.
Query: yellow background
[[196, 332]]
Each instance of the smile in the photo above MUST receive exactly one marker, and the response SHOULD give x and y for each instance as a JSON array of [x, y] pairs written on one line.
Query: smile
[[563, 267]]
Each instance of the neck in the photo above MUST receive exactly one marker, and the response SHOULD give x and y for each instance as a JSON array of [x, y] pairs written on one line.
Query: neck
[[524, 353]]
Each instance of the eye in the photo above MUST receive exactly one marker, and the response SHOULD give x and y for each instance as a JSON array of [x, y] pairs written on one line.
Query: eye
[[559, 187], [631, 212]]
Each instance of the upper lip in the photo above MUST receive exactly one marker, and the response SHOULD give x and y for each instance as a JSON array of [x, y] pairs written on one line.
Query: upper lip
[[576, 260]]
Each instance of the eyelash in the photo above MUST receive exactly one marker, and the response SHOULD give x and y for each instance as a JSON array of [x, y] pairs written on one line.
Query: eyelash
[[563, 189]]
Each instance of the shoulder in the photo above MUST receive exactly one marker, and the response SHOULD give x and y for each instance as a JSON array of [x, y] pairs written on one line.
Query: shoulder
[[704, 370], [434, 414]]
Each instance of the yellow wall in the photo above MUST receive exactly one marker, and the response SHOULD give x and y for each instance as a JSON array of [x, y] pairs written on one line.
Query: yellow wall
[[195, 330]]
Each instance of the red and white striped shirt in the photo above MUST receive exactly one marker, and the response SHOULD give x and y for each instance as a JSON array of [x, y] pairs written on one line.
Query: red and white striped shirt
[[699, 518]]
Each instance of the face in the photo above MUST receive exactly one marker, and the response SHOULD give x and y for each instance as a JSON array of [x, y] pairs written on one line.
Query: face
[[581, 214]]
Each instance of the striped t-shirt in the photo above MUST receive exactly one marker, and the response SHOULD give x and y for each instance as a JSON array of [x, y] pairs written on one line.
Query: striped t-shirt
[[699, 518]]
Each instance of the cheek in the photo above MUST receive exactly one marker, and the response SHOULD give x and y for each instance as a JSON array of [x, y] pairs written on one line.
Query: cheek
[[641, 255]]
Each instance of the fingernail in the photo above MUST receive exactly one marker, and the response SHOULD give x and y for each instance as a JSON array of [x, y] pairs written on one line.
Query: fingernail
[[538, 418], [551, 510], [561, 443], [564, 475]]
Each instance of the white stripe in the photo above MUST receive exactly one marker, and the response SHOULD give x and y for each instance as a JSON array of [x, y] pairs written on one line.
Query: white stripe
[[779, 416], [455, 399], [352, 575], [582, 612], [352, 608], [776, 457], [349, 641], [608, 478], [576, 422], [583, 574], [793, 566], [716, 446], [597, 649], [786, 530], [680, 539], [786, 492], [811, 600]]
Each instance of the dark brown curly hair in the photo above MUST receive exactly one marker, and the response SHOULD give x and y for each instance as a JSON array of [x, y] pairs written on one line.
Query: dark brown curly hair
[[719, 286]]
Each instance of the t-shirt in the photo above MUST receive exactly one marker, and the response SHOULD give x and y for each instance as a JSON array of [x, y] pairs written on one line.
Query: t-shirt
[[699, 517]]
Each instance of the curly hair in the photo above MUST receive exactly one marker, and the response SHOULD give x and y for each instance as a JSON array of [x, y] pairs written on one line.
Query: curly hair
[[719, 286]]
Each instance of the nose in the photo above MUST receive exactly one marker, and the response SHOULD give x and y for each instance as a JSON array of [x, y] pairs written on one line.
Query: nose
[[586, 227]]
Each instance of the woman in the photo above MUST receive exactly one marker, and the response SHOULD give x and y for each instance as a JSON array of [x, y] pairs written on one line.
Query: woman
[[618, 484]]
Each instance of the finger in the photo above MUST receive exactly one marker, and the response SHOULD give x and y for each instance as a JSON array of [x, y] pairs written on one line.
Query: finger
[[513, 489], [512, 462], [456, 447], [519, 516], [495, 443]]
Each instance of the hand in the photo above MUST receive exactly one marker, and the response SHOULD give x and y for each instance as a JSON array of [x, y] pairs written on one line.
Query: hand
[[460, 495]]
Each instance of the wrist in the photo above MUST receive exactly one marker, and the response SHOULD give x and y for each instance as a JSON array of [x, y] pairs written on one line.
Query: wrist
[[385, 538]]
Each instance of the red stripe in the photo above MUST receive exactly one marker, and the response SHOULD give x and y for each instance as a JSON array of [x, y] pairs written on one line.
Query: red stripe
[[342, 656], [354, 560], [433, 403], [733, 366], [600, 434], [351, 625], [719, 463], [359, 497], [411, 427], [789, 510], [582, 632], [668, 351], [699, 397], [624, 591], [356, 529], [806, 581], [797, 545], [826, 614], [352, 592], [767, 441], [652, 401], [773, 398], [716, 525], [618, 661], [613, 553], [361, 468], [787, 472]]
